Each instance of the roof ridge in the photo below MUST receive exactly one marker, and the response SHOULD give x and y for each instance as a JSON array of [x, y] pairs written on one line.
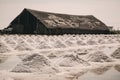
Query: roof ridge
[[55, 12]]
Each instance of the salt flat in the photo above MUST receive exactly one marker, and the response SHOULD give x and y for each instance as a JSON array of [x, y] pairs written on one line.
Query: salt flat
[[62, 57]]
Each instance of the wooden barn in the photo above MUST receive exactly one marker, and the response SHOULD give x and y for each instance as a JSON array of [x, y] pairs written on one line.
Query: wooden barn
[[39, 22]]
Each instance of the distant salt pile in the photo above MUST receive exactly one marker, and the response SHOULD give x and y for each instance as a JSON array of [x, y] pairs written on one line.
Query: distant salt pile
[[59, 44], [22, 46], [98, 57], [76, 74], [70, 41], [10, 41], [55, 54], [116, 54], [101, 41], [3, 48], [51, 55], [71, 60], [80, 42], [35, 63], [43, 45], [101, 70], [91, 42], [117, 67], [81, 51], [111, 41]]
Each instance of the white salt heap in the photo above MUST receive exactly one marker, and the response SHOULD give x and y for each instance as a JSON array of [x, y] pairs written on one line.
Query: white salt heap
[[117, 67], [71, 60], [22, 46], [98, 57], [116, 54], [101, 70], [35, 63], [3, 48], [21, 68]]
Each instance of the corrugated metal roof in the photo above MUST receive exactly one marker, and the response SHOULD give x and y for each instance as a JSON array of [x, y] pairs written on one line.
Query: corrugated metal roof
[[55, 20]]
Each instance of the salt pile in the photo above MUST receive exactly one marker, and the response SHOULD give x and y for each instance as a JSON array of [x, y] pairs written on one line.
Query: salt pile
[[91, 42], [117, 67], [3, 48], [76, 74], [71, 60], [21, 68], [80, 42], [69, 43], [43, 45], [98, 57], [59, 44], [116, 54], [22, 46], [101, 41], [101, 70], [35, 63], [9, 40], [51, 55]]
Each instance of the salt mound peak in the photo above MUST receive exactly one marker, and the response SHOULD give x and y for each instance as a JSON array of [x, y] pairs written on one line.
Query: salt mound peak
[[116, 54], [71, 60], [98, 56]]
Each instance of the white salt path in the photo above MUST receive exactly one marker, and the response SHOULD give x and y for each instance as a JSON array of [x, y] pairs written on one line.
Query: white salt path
[[10, 63]]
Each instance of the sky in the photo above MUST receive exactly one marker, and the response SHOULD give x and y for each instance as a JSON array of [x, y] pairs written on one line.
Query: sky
[[108, 11]]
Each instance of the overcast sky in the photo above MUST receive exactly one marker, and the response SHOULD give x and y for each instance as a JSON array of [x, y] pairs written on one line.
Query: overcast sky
[[108, 11]]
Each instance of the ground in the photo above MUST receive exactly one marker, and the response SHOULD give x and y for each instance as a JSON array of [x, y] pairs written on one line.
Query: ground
[[63, 57]]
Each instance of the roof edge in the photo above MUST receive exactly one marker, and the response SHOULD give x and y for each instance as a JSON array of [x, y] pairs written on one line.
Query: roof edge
[[55, 12]]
